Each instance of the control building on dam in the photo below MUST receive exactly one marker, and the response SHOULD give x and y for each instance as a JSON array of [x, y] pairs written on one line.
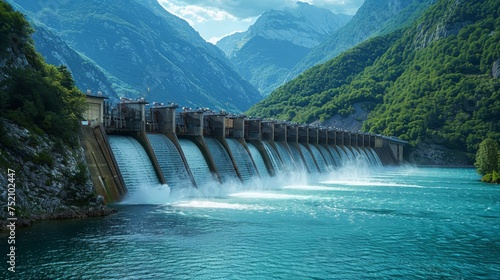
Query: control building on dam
[[134, 144]]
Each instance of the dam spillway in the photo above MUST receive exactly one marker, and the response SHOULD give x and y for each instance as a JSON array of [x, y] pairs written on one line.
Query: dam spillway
[[223, 163], [133, 162], [243, 160], [170, 160], [192, 149], [197, 163], [258, 160]]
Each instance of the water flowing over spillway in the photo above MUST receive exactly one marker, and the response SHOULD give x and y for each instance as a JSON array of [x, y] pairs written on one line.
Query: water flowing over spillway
[[133, 162], [371, 157], [170, 161], [309, 160], [286, 157], [297, 158], [243, 160], [319, 159], [327, 156], [376, 158], [365, 157], [197, 163], [273, 155], [259, 161], [359, 159], [345, 155], [222, 160], [336, 156]]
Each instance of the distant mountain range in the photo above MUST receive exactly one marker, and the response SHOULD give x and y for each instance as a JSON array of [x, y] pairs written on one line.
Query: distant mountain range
[[135, 48], [277, 41]]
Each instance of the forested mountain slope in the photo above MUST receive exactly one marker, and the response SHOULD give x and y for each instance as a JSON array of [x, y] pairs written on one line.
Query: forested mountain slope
[[436, 82]]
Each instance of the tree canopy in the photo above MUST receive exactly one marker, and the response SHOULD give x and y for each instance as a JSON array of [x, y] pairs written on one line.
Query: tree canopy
[[39, 96], [487, 161]]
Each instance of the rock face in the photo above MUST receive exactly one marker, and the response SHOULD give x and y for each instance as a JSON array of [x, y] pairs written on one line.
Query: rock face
[[495, 71], [305, 25], [229, 43], [445, 27], [435, 154], [352, 122], [277, 41], [12, 59], [51, 179], [145, 51]]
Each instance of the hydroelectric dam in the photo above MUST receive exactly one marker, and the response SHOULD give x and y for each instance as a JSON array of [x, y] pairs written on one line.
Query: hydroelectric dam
[[133, 144]]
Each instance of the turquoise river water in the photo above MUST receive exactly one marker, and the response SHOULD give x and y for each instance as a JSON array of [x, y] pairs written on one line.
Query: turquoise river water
[[379, 223]]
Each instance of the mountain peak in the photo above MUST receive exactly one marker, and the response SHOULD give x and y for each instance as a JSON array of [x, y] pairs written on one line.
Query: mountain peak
[[278, 40]]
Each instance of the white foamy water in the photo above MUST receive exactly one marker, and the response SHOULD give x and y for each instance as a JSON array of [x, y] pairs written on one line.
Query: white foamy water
[[218, 205], [145, 194], [369, 183], [308, 188], [269, 195]]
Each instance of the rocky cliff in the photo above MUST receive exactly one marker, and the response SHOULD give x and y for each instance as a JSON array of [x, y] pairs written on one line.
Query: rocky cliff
[[51, 179]]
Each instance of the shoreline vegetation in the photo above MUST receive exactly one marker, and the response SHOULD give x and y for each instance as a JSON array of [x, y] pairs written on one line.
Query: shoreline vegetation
[[488, 161]]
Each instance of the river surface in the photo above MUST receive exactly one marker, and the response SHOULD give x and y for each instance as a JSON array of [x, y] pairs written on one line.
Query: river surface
[[404, 223]]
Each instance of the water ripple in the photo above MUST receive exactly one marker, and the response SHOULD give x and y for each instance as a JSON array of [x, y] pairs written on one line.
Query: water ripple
[[424, 225]]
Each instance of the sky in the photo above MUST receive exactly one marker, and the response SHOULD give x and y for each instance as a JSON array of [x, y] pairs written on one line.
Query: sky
[[214, 19]]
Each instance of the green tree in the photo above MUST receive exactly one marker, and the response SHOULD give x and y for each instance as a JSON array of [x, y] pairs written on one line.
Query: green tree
[[14, 29], [40, 97], [487, 157]]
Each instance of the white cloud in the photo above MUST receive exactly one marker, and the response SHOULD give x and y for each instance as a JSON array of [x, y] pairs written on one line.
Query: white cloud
[[214, 19], [237, 8], [246, 8], [338, 6], [198, 14]]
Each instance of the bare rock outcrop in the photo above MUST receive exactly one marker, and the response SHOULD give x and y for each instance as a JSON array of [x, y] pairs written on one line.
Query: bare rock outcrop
[[49, 180], [495, 70]]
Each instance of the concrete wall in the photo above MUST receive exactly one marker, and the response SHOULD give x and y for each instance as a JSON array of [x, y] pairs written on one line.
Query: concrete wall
[[102, 165]]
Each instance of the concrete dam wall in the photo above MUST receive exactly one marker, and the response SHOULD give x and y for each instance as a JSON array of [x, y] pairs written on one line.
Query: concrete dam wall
[[191, 149]]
